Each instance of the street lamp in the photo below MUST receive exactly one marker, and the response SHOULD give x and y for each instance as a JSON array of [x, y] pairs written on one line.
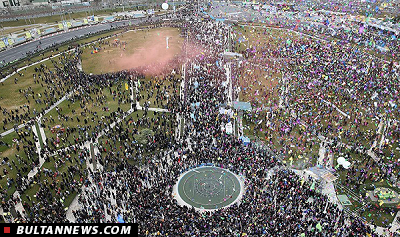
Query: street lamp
[[167, 38]]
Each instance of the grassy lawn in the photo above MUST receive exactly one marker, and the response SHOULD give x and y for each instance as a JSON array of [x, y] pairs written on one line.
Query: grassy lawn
[[28, 93], [17, 29], [17, 154], [30, 86], [297, 149], [261, 85], [158, 90], [62, 174], [138, 136], [26, 89], [85, 114]]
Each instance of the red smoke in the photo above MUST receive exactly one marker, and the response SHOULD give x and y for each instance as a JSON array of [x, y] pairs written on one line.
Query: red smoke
[[153, 58]]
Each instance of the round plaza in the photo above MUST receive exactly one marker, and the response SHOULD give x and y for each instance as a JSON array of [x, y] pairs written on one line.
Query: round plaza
[[208, 188]]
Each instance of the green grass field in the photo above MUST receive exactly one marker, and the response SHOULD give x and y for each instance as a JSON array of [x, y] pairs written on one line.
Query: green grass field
[[23, 90], [25, 86], [84, 115], [140, 128], [63, 175], [15, 152], [95, 108]]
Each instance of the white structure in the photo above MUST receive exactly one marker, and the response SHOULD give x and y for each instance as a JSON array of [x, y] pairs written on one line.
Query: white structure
[[40, 2], [69, 2], [167, 38]]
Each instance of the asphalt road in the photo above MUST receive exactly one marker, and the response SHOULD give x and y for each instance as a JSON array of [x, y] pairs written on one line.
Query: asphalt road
[[20, 51]]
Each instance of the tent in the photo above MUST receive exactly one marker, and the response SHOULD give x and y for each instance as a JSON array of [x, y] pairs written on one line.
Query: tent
[[242, 105], [120, 219], [229, 128], [245, 140], [342, 161]]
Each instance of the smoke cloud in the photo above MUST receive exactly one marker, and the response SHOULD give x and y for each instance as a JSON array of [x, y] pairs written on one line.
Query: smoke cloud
[[153, 58]]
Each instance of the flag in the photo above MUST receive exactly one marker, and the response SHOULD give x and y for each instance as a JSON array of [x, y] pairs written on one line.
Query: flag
[[319, 227], [312, 186], [361, 29], [120, 219]]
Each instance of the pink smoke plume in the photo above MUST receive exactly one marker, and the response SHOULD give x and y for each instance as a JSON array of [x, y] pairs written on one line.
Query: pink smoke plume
[[153, 58]]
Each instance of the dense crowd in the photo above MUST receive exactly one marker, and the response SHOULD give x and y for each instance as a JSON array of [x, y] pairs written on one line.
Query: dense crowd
[[282, 204], [142, 155], [327, 90]]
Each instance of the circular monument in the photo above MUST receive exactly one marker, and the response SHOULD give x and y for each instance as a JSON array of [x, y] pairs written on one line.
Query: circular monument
[[208, 188]]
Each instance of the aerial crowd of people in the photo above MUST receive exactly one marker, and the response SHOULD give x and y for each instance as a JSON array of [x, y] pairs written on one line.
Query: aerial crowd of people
[[160, 126]]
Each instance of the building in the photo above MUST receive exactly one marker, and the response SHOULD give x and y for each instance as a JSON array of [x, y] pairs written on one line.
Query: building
[[40, 2], [10, 3]]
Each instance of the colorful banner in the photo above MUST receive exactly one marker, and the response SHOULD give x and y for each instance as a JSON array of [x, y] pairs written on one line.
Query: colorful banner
[[50, 30], [60, 26], [69, 24], [85, 21], [20, 39], [76, 23], [28, 35], [5, 41], [10, 41], [96, 19], [109, 18], [2, 44]]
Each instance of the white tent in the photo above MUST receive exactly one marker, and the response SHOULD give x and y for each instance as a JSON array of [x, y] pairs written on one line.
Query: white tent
[[343, 162]]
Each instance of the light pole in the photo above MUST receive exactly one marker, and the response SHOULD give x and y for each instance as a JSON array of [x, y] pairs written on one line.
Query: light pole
[[167, 38]]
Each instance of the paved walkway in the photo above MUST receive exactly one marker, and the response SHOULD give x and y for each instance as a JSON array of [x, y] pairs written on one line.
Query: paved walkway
[[337, 109], [39, 116], [74, 206]]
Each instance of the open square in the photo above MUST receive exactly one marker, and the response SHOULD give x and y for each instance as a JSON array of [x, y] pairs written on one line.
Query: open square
[[209, 188]]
